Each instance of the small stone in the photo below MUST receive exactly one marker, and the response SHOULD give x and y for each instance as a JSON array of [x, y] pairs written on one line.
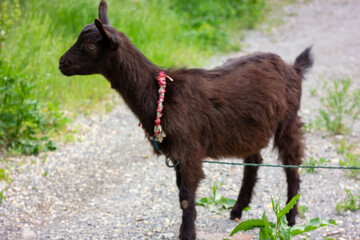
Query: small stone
[[28, 234], [168, 235]]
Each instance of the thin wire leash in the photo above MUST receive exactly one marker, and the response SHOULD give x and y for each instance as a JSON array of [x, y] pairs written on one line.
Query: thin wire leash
[[277, 165]]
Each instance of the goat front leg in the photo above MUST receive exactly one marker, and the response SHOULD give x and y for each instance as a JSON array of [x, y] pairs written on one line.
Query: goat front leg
[[188, 177]]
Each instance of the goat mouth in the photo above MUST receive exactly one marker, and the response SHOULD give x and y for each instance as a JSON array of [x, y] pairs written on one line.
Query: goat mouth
[[66, 70]]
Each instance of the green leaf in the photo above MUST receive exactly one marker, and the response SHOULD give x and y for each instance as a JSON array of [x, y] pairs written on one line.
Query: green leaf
[[204, 201], [276, 207], [288, 207], [50, 146], [2, 174], [2, 196], [214, 208], [284, 229], [247, 225], [311, 225], [214, 192], [267, 229], [227, 202], [264, 235], [219, 205], [246, 209]]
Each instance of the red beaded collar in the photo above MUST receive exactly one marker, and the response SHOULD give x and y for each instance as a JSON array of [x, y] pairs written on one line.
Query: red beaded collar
[[159, 133]]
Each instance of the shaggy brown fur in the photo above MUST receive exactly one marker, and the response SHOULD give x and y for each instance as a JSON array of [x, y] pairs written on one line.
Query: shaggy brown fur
[[229, 111]]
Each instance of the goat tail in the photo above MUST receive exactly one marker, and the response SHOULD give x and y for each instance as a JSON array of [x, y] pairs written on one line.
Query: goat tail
[[304, 62]]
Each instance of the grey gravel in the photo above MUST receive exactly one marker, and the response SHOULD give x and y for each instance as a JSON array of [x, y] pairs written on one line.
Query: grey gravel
[[108, 185]]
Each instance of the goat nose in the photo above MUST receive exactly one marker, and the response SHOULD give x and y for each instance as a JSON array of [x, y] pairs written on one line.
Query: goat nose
[[62, 61]]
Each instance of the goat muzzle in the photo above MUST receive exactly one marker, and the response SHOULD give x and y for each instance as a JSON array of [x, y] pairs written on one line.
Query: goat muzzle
[[64, 66]]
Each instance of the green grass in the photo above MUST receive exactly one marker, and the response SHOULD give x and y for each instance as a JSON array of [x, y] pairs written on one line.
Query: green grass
[[3, 177], [25, 122], [351, 203], [343, 146], [161, 29], [340, 106], [301, 211], [312, 163], [351, 160], [349, 157]]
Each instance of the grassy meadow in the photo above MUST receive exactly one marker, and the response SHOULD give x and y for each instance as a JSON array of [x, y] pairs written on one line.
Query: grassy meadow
[[167, 32]]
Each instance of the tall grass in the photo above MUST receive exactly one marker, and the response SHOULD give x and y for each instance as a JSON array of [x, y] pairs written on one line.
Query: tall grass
[[168, 32], [25, 122]]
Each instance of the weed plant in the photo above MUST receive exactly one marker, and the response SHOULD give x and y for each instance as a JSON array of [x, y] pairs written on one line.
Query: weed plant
[[339, 105], [302, 210], [348, 157], [23, 119], [351, 160], [351, 203], [3, 178], [343, 146], [312, 163], [280, 229], [216, 203]]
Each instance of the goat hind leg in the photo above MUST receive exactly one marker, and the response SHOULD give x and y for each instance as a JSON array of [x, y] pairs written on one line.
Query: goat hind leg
[[248, 184], [293, 180], [291, 150]]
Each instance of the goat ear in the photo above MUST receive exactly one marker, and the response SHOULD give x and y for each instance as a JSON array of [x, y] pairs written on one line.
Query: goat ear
[[108, 36], [100, 26], [103, 12]]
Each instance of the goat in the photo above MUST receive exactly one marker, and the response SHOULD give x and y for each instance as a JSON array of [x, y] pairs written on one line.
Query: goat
[[230, 111]]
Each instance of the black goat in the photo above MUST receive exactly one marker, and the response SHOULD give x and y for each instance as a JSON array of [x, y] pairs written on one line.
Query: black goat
[[232, 110]]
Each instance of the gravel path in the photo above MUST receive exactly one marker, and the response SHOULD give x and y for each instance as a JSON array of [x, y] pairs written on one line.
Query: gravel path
[[109, 186]]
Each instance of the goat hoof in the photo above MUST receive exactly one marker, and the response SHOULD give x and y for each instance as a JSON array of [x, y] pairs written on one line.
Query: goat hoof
[[235, 215], [187, 234], [291, 223], [191, 237], [291, 219]]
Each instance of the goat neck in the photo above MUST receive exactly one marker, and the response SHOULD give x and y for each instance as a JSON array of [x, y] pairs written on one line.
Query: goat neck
[[133, 76]]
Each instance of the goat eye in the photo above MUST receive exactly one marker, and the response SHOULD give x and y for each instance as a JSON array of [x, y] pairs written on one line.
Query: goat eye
[[91, 46]]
